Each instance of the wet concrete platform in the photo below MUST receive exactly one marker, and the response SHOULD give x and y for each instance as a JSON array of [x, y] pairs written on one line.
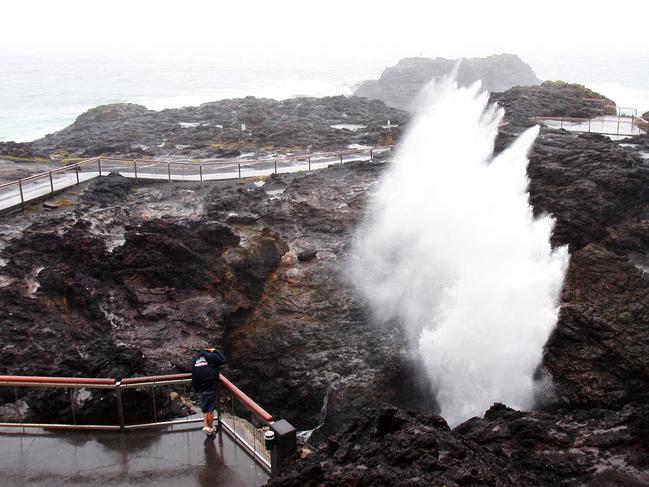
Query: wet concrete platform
[[182, 457]]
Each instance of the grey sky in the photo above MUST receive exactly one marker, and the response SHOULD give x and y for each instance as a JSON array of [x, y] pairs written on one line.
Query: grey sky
[[385, 29]]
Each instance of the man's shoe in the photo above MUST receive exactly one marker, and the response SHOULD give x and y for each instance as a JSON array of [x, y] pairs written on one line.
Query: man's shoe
[[207, 431], [213, 431]]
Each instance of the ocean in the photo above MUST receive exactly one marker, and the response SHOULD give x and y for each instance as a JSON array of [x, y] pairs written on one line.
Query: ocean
[[39, 95]]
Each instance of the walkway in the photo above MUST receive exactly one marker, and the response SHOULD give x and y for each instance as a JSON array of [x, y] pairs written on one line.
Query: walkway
[[15, 193], [182, 457], [616, 127]]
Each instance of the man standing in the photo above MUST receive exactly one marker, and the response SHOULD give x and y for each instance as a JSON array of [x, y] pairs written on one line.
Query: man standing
[[205, 379]]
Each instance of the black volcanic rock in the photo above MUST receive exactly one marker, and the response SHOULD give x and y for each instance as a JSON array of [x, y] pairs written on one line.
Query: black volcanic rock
[[399, 85], [552, 99], [19, 150], [587, 182], [391, 447], [214, 129], [161, 268]]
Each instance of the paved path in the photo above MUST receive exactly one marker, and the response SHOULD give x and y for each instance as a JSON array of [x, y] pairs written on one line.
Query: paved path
[[40, 187], [183, 457], [609, 124]]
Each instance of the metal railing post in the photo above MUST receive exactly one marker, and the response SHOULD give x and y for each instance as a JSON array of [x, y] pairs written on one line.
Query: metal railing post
[[341, 157], [617, 132], [76, 170], [51, 183], [169, 171], [219, 411], [120, 405], [155, 412], [589, 125], [371, 155], [560, 124], [234, 424], [22, 196], [135, 167], [309, 163], [275, 161], [239, 166], [99, 165], [74, 412], [200, 171]]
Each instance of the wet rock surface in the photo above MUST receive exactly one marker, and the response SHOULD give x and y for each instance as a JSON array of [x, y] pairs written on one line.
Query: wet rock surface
[[215, 129], [129, 278], [133, 277], [399, 85], [551, 99], [390, 447]]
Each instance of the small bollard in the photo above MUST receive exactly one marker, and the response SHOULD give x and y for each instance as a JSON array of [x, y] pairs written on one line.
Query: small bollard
[[269, 440]]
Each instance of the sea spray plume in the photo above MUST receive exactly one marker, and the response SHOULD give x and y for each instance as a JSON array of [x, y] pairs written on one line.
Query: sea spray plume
[[450, 248]]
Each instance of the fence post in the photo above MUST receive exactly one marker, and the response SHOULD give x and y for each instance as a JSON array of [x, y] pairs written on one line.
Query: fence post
[[99, 164], [22, 196], [589, 125], [371, 155], [169, 171], [74, 412], [309, 163], [51, 183], [239, 166], [120, 405], [341, 157], [200, 171], [76, 170], [275, 161], [135, 167], [560, 124], [617, 132]]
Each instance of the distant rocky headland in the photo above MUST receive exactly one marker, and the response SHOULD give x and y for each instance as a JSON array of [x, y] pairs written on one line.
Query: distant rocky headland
[[399, 85]]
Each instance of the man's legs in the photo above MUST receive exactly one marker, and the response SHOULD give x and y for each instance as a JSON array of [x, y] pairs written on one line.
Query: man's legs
[[208, 419]]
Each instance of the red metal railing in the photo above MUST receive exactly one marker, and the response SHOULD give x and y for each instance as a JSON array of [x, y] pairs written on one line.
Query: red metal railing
[[18, 380], [241, 396], [246, 429]]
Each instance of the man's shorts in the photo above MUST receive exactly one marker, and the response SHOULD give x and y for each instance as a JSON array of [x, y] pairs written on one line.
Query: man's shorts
[[208, 401]]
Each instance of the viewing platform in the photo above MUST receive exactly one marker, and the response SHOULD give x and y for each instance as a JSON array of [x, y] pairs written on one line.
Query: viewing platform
[[134, 431], [183, 456]]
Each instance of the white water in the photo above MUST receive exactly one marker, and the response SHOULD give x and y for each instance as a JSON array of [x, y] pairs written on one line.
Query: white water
[[451, 250]]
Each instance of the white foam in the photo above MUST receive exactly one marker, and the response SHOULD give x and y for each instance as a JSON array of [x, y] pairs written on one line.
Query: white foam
[[451, 250]]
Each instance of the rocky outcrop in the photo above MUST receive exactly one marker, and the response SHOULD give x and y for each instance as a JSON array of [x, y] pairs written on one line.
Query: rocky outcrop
[[16, 150], [552, 99], [131, 277], [215, 129], [389, 447], [399, 85]]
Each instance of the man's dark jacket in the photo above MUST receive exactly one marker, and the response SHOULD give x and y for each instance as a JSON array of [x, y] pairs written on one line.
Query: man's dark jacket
[[205, 370]]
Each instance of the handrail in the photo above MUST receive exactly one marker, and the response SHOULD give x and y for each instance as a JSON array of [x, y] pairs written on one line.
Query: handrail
[[18, 380], [154, 378], [251, 405], [30, 379], [193, 162], [564, 119], [246, 400], [247, 433]]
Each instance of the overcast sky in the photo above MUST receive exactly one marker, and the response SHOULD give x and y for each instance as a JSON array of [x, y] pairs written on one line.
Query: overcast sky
[[384, 29]]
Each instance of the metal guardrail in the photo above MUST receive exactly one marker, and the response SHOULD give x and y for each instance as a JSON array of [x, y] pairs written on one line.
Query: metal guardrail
[[17, 193], [141, 402], [589, 124]]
